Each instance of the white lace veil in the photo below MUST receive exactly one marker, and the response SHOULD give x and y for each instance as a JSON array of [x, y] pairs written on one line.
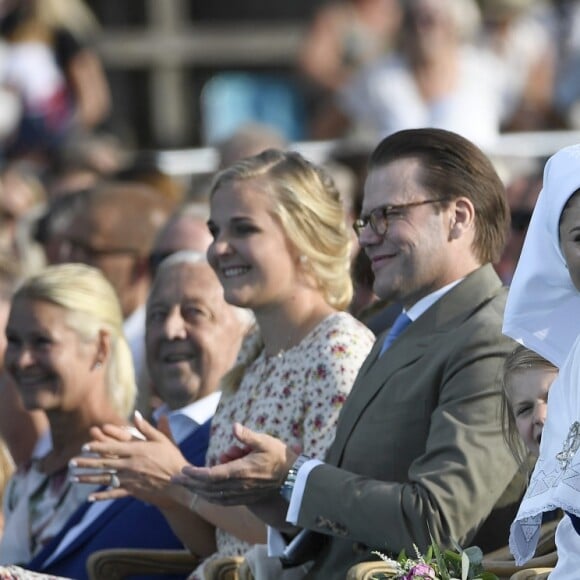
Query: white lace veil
[[543, 312]]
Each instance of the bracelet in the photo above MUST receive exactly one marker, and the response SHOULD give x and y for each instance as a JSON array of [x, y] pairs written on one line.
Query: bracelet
[[287, 487]]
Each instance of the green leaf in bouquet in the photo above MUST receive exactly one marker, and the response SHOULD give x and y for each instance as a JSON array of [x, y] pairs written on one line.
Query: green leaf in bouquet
[[441, 565], [452, 556], [487, 576]]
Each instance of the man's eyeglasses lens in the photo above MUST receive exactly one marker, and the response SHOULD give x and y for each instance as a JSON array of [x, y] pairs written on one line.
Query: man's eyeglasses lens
[[378, 219]]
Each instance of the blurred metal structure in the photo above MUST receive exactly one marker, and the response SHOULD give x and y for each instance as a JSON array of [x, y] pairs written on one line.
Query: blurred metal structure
[[170, 49]]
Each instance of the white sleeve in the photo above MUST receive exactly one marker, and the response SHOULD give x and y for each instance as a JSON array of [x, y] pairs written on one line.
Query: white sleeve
[[276, 541]]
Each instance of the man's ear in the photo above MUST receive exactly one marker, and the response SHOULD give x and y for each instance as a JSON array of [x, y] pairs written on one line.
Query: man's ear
[[462, 218]]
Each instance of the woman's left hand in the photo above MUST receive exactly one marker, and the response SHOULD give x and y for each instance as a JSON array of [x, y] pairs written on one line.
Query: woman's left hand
[[131, 466]]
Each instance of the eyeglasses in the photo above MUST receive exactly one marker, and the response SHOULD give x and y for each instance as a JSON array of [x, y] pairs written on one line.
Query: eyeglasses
[[379, 217]]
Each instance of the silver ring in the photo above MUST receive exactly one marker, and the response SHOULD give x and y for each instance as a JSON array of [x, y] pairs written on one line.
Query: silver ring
[[115, 481]]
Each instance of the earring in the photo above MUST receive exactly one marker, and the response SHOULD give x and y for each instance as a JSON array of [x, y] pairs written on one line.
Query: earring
[[303, 259], [98, 365]]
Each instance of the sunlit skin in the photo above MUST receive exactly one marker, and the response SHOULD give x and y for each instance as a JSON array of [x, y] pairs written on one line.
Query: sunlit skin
[[48, 362], [570, 238], [259, 267], [250, 252], [60, 373], [192, 334], [19, 428], [528, 399], [412, 259]]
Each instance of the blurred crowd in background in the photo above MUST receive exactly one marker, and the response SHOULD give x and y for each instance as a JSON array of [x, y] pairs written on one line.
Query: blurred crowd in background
[[365, 68]]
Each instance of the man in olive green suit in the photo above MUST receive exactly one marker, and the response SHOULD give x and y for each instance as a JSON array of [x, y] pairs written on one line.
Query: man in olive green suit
[[418, 448]]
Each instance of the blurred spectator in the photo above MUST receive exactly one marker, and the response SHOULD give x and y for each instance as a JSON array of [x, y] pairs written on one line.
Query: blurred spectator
[[346, 35], [436, 79], [248, 140], [186, 229], [343, 37], [20, 191], [144, 169], [83, 161], [22, 195], [52, 227], [527, 54], [113, 229], [562, 18], [20, 429], [58, 78], [10, 103], [73, 26], [522, 194]]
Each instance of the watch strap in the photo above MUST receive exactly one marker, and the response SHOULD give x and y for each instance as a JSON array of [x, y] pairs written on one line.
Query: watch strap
[[287, 487]]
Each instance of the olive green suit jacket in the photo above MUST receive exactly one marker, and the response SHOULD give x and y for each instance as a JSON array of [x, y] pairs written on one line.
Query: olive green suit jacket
[[418, 448]]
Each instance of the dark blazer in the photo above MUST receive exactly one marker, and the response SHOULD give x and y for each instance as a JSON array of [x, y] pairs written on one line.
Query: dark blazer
[[126, 523], [418, 447]]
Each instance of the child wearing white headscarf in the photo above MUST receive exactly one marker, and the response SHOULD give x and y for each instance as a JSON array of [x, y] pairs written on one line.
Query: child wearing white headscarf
[[543, 312]]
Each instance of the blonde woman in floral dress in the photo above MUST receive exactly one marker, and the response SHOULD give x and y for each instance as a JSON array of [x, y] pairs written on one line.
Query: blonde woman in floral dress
[[281, 248]]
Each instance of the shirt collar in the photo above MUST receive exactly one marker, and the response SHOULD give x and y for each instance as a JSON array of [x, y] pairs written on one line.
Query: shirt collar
[[196, 414], [427, 301]]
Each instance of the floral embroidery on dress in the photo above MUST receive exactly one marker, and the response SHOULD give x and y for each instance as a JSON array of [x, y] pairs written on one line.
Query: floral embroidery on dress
[[296, 396], [570, 446]]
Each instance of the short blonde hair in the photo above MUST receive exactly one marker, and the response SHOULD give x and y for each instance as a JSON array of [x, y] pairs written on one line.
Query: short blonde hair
[[308, 205], [91, 305]]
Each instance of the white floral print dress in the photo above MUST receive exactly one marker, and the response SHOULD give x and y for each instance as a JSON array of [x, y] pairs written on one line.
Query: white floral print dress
[[295, 396]]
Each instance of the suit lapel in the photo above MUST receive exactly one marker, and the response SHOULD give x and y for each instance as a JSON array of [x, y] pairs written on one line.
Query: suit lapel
[[371, 380], [110, 512], [194, 447], [448, 312]]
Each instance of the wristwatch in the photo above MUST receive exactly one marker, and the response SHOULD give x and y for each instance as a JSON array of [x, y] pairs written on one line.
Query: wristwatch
[[287, 487]]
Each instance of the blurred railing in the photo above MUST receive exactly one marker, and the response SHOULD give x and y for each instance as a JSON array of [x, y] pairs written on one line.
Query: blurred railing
[[518, 147]]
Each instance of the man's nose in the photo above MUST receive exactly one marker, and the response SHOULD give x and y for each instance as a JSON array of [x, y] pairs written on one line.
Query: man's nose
[[174, 324]]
